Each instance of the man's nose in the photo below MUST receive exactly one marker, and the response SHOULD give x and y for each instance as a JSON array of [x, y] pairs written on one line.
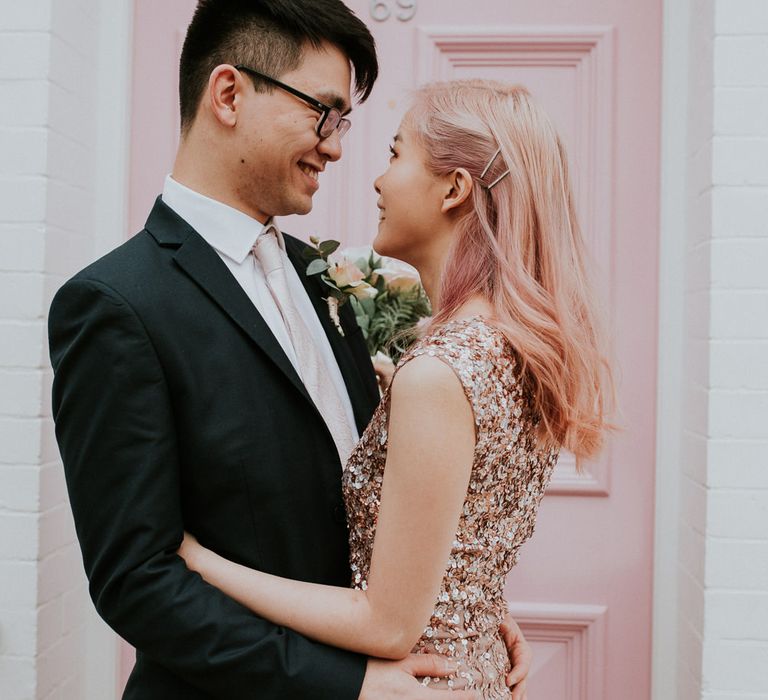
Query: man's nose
[[330, 147]]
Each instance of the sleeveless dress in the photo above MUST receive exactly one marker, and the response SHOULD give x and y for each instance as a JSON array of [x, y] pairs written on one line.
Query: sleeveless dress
[[508, 478]]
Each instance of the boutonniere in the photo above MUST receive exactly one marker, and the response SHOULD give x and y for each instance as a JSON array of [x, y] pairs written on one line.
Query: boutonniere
[[343, 279], [385, 294]]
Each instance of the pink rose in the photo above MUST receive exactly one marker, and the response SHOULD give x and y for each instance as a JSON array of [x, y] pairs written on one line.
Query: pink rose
[[345, 273]]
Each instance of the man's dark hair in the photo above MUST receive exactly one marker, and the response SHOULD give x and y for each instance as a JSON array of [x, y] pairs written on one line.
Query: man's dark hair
[[269, 36]]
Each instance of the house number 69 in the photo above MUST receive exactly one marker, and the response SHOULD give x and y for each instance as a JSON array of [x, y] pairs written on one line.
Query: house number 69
[[381, 10]]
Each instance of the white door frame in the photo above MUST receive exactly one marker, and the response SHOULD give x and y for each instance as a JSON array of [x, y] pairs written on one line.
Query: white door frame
[[670, 387], [110, 214]]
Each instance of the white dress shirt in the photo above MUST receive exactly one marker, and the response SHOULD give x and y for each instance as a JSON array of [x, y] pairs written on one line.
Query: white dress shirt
[[232, 234]]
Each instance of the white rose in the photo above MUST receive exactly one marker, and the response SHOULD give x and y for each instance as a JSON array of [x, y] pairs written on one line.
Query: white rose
[[398, 274], [363, 290], [356, 253]]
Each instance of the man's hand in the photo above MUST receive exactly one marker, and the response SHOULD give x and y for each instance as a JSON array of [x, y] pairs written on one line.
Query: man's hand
[[520, 656], [390, 680]]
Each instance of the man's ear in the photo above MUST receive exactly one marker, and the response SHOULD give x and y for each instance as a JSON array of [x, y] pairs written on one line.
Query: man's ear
[[225, 85], [459, 187]]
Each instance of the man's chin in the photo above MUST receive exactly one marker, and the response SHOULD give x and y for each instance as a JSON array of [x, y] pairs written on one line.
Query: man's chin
[[299, 206], [305, 209]]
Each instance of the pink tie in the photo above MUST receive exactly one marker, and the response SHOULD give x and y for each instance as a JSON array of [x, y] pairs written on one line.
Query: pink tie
[[311, 367]]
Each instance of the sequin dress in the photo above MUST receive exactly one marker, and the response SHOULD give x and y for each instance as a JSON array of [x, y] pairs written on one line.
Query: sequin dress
[[508, 478]]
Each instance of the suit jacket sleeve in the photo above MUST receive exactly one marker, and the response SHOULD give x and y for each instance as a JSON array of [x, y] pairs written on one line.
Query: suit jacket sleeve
[[115, 428]]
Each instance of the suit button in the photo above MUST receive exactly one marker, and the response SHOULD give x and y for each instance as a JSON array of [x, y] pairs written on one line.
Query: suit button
[[340, 515]]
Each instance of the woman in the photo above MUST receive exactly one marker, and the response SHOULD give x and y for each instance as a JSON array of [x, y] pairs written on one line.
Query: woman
[[457, 456]]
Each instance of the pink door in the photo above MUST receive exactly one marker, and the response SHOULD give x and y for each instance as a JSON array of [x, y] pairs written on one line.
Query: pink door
[[582, 591]]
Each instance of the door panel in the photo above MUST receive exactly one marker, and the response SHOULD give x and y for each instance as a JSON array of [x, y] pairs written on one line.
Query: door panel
[[582, 590]]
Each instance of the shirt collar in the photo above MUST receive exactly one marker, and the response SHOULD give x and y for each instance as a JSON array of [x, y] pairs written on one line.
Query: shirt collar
[[226, 229]]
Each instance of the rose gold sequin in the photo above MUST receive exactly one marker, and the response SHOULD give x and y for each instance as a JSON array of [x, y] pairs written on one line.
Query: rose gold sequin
[[508, 478]]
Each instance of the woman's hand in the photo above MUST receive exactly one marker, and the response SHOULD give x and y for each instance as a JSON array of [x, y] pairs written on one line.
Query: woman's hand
[[385, 370], [191, 551]]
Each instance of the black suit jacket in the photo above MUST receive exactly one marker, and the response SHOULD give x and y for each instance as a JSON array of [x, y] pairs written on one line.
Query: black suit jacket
[[176, 408]]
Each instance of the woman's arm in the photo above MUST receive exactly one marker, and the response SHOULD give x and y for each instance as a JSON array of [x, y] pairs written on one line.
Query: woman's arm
[[429, 459]]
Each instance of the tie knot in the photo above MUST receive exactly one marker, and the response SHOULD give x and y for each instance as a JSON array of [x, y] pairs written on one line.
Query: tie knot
[[267, 250]]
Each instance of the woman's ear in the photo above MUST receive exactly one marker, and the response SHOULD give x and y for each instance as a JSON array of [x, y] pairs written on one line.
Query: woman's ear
[[224, 86], [459, 188]]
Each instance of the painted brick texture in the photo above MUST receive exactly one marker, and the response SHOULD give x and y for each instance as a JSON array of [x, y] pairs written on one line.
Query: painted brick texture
[[47, 68], [724, 603]]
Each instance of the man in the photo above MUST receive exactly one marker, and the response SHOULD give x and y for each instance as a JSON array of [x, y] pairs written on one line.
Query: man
[[200, 384]]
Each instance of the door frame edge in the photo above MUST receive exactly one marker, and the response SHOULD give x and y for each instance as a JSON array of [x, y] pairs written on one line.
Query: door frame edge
[[671, 342], [110, 218]]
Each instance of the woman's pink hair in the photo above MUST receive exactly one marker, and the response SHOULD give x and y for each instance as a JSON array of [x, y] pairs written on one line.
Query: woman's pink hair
[[518, 245]]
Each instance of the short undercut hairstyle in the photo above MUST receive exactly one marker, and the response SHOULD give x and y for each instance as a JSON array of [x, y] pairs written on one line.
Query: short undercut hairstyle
[[269, 36]]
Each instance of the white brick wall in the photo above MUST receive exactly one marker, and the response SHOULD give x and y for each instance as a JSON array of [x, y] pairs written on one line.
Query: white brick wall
[[736, 645], [723, 549], [48, 67]]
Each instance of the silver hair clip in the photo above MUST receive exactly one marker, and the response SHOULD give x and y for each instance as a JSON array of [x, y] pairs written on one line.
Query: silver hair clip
[[488, 167]]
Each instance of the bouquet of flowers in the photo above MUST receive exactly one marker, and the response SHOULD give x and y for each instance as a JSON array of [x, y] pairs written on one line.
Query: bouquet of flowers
[[385, 294]]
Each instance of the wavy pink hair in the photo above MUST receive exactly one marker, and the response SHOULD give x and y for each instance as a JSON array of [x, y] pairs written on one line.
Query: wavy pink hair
[[519, 246]]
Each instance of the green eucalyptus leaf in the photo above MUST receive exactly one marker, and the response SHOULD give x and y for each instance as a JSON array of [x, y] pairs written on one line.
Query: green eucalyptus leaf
[[358, 310], [328, 247], [369, 306], [329, 283], [316, 267]]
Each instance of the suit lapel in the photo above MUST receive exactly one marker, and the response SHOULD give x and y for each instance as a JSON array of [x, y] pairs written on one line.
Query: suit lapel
[[201, 263], [350, 370]]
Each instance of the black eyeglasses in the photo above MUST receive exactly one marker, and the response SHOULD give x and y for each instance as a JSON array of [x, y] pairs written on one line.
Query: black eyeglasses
[[330, 119]]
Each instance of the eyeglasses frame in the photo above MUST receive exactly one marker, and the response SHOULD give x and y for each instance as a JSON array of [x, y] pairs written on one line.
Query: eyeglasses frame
[[341, 127]]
